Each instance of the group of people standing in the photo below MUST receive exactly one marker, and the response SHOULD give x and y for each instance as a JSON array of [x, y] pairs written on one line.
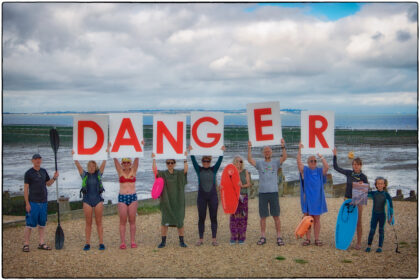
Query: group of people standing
[[172, 199]]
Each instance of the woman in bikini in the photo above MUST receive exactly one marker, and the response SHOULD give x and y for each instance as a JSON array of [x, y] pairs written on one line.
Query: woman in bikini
[[127, 198]]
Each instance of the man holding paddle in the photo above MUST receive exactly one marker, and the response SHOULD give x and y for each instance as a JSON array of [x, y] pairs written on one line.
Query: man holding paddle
[[268, 189], [35, 194]]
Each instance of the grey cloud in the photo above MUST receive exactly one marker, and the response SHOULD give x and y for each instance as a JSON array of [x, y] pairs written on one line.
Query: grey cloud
[[378, 35], [403, 36], [412, 12]]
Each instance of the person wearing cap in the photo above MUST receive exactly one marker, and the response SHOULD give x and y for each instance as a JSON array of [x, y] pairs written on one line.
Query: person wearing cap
[[36, 200]]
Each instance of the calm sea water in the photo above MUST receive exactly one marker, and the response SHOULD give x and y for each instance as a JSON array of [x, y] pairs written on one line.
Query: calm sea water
[[390, 121]]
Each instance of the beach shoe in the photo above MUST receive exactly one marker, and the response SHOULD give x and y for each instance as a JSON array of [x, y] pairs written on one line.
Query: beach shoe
[[318, 243], [182, 244], [241, 242], [161, 245], [25, 248], [133, 245], [379, 250], [214, 243], [123, 246], [307, 242], [44, 247], [262, 241], [232, 242], [280, 241], [86, 248], [199, 243], [367, 250], [101, 247]]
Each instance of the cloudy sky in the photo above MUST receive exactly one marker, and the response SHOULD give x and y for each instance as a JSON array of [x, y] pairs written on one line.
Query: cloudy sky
[[343, 57]]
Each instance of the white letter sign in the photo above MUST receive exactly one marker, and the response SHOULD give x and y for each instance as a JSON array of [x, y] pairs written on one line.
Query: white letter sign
[[169, 136], [90, 137], [264, 125], [126, 135], [317, 132], [207, 133]]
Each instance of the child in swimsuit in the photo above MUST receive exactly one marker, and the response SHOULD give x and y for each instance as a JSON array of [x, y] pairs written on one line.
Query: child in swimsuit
[[378, 212]]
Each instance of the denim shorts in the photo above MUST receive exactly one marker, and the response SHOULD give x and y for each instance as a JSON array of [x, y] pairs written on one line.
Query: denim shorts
[[37, 215], [272, 199]]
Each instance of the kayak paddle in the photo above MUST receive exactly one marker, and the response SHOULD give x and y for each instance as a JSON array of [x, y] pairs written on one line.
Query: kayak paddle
[[59, 234]]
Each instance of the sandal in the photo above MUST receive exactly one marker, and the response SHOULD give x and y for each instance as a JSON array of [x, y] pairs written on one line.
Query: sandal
[[318, 243], [262, 241], [123, 246], [25, 248], [280, 241], [133, 245], [43, 247], [307, 242], [199, 243], [214, 243]]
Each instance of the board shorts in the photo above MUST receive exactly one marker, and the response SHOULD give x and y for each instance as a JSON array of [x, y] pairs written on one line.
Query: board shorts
[[271, 199], [37, 215], [127, 198]]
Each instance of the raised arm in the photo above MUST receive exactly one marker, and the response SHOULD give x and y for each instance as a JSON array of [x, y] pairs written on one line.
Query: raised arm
[[185, 163], [283, 148], [250, 159], [299, 160], [77, 163], [135, 165], [117, 166], [154, 167], [335, 164], [324, 164]]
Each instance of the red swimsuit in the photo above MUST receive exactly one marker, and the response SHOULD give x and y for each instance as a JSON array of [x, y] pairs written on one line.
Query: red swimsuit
[[127, 180]]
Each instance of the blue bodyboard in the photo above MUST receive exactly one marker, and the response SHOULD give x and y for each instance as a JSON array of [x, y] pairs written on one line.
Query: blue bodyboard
[[389, 213], [346, 225]]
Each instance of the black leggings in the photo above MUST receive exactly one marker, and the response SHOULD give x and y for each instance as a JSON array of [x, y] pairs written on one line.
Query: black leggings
[[210, 199]]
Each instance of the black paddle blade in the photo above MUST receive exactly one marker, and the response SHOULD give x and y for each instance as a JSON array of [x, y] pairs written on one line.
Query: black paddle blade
[[54, 139], [59, 238]]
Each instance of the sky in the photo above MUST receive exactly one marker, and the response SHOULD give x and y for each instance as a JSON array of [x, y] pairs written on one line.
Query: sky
[[342, 57]]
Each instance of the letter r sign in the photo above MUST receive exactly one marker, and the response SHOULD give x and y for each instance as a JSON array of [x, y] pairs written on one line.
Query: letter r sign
[[317, 132]]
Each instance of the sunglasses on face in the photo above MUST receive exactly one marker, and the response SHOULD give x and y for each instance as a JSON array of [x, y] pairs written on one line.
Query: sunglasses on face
[[206, 160], [170, 162], [313, 160], [126, 162]]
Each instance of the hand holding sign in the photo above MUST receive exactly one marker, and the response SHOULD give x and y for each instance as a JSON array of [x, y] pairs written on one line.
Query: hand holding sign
[[317, 132]]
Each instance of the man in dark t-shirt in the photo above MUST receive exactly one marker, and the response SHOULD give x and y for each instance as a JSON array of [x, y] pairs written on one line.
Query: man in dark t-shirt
[[35, 194]]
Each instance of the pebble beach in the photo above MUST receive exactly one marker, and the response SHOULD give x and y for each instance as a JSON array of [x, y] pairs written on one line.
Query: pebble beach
[[224, 261]]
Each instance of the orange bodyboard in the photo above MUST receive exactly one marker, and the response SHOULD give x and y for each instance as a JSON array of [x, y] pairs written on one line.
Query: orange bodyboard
[[230, 189], [304, 226]]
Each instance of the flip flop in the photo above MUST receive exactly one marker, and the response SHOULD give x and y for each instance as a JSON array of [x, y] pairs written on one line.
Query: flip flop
[[43, 247]]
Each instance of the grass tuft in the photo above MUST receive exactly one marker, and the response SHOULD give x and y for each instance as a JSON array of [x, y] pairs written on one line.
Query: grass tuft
[[280, 258], [301, 261]]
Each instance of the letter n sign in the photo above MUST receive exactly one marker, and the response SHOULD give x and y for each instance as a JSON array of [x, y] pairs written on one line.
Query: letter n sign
[[317, 132]]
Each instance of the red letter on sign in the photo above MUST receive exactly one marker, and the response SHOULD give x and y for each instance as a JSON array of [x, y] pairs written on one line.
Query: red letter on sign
[[259, 124], [215, 136], [81, 150], [176, 144], [317, 132], [126, 125]]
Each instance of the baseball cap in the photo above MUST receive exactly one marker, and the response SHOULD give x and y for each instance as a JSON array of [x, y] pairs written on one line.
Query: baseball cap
[[35, 156]]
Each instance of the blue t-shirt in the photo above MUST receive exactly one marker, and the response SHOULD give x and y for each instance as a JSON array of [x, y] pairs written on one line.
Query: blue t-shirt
[[267, 172], [37, 181]]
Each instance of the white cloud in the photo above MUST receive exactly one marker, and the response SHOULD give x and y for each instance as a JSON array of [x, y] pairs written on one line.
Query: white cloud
[[199, 55]]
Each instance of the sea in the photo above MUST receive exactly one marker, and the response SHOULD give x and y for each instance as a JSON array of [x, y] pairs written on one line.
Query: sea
[[387, 145]]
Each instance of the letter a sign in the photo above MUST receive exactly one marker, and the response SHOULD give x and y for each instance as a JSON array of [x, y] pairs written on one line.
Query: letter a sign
[[317, 132], [126, 134], [264, 125], [90, 134]]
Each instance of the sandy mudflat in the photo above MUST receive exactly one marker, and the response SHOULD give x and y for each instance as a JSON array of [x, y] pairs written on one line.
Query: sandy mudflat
[[248, 261]]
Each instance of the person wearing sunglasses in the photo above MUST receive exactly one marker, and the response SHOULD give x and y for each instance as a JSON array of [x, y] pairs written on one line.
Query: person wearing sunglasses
[[353, 175], [238, 221], [127, 198], [207, 194], [268, 194], [172, 199], [312, 195]]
